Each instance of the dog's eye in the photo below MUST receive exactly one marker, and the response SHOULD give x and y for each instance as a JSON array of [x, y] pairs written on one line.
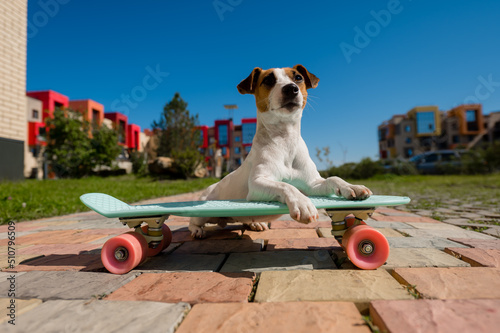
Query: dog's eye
[[269, 80], [298, 78]]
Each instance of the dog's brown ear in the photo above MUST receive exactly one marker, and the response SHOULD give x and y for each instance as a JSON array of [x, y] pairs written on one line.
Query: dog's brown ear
[[311, 79], [248, 85]]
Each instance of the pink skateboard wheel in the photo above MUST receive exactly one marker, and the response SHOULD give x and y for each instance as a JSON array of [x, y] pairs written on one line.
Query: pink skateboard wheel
[[123, 253], [366, 247]]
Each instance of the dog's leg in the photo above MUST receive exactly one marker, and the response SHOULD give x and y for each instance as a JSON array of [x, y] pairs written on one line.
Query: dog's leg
[[257, 226], [339, 186], [301, 208], [196, 225]]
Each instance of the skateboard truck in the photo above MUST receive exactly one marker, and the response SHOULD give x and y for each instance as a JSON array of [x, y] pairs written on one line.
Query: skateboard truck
[[152, 232], [338, 217]]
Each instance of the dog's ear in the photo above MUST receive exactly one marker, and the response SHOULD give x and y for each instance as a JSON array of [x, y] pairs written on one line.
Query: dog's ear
[[248, 85], [311, 79]]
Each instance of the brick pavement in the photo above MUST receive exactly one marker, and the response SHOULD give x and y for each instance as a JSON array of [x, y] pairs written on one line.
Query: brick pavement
[[292, 278]]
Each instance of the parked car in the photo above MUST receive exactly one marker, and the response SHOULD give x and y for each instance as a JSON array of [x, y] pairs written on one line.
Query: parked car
[[440, 161]]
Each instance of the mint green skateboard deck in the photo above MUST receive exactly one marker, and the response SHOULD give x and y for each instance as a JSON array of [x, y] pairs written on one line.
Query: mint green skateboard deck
[[109, 206], [366, 247]]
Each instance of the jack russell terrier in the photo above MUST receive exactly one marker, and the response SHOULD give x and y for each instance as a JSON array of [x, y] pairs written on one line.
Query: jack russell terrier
[[278, 167]]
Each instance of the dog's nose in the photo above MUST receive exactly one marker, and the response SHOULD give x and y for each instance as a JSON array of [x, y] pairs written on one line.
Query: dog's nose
[[290, 90]]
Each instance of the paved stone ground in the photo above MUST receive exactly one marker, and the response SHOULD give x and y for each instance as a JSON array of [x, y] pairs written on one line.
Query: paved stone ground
[[293, 278]]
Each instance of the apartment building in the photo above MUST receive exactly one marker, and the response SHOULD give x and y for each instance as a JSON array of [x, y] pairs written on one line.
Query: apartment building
[[426, 128], [13, 102], [42, 105], [225, 144]]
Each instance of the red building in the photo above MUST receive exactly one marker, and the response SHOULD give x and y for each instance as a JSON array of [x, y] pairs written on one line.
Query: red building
[[51, 100], [133, 136], [92, 111], [120, 122]]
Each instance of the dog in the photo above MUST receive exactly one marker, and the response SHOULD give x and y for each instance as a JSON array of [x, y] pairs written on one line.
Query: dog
[[278, 167]]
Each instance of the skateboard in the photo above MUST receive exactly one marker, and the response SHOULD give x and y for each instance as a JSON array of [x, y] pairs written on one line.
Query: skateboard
[[365, 246]]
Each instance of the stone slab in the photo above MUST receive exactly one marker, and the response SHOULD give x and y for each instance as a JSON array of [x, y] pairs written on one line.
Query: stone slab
[[281, 233], [302, 244], [61, 262], [291, 224], [57, 249], [494, 231], [198, 287], [290, 317], [433, 226], [56, 237], [446, 316], [404, 219], [67, 285], [21, 306], [325, 232], [356, 286], [394, 212], [445, 233], [210, 246], [453, 282], [421, 257], [6, 260], [100, 316], [477, 257], [278, 260], [389, 232], [421, 242], [182, 263], [479, 243], [393, 225]]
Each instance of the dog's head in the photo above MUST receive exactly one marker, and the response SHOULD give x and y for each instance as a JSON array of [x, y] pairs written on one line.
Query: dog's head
[[279, 90]]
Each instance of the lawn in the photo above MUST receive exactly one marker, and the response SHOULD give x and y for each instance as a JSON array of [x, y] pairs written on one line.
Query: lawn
[[32, 199], [428, 192]]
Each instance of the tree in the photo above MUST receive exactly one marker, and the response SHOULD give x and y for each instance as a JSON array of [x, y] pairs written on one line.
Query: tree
[[178, 137], [71, 152]]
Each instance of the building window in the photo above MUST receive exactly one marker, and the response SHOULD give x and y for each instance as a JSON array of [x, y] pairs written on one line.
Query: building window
[[248, 148], [237, 138], [237, 150], [408, 152], [455, 139], [224, 151], [34, 114], [95, 117], [248, 132], [223, 135], [121, 131], [407, 128], [390, 143], [425, 122], [471, 118], [408, 140]]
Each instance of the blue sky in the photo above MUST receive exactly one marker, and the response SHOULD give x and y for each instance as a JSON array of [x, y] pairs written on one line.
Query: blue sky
[[374, 58]]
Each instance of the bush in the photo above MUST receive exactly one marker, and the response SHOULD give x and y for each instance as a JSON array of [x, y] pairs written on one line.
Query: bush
[[367, 168], [71, 152], [139, 165]]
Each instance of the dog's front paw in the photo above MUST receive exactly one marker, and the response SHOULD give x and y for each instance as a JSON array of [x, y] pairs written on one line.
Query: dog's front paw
[[354, 192], [257, 226], [302, 209], [196, 231]]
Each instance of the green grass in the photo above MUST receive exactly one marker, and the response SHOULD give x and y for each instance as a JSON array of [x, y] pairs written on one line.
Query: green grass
[[33, 199], [429, 192]]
